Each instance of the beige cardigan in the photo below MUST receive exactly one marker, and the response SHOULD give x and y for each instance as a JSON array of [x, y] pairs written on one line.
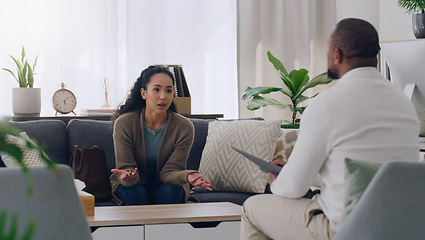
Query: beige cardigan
[[129, 144]]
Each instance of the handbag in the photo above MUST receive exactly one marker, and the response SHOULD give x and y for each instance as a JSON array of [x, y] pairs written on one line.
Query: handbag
[[89, 166]]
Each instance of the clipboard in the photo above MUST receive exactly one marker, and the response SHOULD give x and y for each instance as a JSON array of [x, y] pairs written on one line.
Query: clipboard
[[263, 164]]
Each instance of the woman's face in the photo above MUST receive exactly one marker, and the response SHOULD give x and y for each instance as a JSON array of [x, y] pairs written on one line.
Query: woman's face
[[159, 93]]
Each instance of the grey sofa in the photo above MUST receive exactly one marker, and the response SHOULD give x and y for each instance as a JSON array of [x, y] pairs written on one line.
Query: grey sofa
[[391, 206], [59, 139]]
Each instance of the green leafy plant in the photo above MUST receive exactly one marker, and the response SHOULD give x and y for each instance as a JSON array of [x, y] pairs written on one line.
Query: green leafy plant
[[11, 232], [24, 73], [413, 6], [296, 82]]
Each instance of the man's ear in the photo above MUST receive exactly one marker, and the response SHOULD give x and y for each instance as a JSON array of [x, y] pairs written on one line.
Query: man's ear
[[143, 93], [337, 56]]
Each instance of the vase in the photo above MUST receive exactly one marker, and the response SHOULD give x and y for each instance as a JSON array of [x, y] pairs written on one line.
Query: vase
[[26, 102], [418, 24]]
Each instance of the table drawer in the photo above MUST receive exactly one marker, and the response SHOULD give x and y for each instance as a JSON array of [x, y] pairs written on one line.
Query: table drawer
[[224, 230]]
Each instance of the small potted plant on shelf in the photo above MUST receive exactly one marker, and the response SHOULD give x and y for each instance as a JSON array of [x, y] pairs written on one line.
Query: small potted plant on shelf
[[26, 100], [417, 9], [296, 82]]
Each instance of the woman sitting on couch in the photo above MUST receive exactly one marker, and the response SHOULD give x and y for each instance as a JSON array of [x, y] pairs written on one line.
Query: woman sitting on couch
[[152, 143]]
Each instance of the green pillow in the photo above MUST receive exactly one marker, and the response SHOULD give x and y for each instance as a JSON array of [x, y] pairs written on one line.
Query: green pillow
[[358, 174]]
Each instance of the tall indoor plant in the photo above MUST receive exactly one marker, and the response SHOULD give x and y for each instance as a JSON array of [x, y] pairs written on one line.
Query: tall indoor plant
[[26, 99], [417, 9], [296, 83]]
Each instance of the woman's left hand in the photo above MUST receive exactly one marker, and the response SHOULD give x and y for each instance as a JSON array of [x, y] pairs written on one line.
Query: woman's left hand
[[198, 180]]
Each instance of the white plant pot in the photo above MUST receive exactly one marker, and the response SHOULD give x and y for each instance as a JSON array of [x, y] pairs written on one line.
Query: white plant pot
[[26, 102]]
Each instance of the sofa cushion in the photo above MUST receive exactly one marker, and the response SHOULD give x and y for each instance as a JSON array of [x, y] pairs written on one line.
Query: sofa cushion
[[201, 132], [30, 156], [50, 134], [230, 171], [88, 133], [358, 175], [233, 197]]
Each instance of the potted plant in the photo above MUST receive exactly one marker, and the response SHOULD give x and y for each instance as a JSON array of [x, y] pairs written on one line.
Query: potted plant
[[417, 9], [296, 82], [26, 100]]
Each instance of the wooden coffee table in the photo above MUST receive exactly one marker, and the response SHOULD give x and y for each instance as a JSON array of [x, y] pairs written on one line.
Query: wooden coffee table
[[160, 217]]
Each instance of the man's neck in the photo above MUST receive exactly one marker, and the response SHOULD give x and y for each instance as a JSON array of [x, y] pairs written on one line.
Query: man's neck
[[357, 63]]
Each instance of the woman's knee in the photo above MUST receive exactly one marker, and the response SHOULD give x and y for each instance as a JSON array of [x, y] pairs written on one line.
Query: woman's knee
[[169, 193], [134, 195], [168, 188]]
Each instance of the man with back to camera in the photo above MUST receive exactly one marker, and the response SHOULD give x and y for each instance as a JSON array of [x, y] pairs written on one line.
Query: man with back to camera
[[363, 117]]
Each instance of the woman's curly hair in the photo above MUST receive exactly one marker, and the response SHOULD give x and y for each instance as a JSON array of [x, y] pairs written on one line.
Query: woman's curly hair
[[134, 100]]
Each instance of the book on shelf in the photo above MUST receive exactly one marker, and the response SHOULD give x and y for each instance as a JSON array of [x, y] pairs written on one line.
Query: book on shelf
[[99, 112], [184, 86], [177, 82]]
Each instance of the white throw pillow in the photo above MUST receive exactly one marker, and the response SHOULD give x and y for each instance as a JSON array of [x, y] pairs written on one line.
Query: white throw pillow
[[31, 157], [227, 169]]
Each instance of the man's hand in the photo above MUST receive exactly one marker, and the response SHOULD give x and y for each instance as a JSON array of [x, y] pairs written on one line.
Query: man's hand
[[198, 180], [126, 175], [277, 161], [272, 176]]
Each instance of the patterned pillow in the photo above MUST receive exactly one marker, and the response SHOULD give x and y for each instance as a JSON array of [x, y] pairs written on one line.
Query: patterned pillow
[[31, 157], [227, 169], [286, 143]]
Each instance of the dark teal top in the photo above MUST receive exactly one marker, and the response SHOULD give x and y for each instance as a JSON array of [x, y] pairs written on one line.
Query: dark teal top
[[153, 139]]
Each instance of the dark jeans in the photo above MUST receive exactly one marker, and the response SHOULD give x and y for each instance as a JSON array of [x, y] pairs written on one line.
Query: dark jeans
[[164, 193]]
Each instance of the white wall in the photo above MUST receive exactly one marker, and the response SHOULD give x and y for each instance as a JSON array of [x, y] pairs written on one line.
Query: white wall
[[73, 43], [364, 9], [391, 21], [395, 23]]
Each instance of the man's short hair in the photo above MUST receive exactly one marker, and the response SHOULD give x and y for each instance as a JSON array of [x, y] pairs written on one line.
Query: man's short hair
[[356, 38]]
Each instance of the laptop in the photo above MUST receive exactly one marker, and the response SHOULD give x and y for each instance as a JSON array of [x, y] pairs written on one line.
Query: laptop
[[264, 165]]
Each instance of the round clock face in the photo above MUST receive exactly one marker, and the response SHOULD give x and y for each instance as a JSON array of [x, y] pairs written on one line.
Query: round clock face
[[64, 101]]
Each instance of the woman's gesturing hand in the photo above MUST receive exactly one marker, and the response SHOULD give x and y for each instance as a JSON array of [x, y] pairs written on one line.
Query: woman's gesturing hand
[[198, 180], [127, 175]]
